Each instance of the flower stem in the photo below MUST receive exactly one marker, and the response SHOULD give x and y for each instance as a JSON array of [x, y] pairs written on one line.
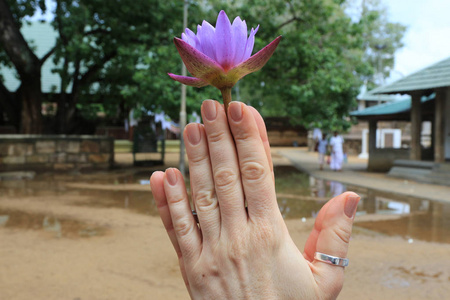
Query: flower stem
[[226, 96]]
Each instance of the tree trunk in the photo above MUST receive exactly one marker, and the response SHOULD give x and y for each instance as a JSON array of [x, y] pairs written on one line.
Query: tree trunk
[[28, 67], [9, 107], [65, 115], [31, 98]]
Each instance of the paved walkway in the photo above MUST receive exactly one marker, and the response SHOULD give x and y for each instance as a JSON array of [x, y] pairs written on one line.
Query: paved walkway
[[354, 173]]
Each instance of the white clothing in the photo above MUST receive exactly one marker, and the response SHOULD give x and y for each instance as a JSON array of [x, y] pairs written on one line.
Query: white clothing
[[336, 188], [322, 146], [322, 150], [337, 152], [317, 134], [337, 142]]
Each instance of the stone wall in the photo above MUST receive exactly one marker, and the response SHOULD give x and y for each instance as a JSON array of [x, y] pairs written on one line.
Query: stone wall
[[286, 138], [55, 152]]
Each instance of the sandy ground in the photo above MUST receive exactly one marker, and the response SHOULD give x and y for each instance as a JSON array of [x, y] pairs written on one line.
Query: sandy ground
[[129, 256]]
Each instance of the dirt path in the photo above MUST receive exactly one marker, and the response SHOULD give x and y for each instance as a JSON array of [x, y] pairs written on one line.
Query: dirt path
[[112, 252]]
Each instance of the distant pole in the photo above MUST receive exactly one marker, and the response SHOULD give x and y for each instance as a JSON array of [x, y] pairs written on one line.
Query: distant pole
[[183, 100]]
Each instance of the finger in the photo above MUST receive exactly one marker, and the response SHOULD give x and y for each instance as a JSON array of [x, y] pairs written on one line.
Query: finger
[[263, 134], [224, 163], [256, 174], [157, 186], [185, 227], [311, 242], [202, 183], [331, 235]]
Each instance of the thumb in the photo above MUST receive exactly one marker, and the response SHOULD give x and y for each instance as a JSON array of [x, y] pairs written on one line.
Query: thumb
[[331, 235]]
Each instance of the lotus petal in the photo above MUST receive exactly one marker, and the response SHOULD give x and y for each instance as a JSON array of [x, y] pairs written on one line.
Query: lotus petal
[[240, 37], [250, 44], [191, 81], [198, 64], [224, 41], [220, 56], [206, 36], [255, 62]]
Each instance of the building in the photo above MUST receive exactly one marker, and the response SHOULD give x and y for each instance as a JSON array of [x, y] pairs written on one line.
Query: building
[[429, 91]]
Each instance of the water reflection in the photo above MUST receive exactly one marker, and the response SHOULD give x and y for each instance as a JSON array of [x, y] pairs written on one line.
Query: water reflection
[[299, 196], [55, 226], [414, 218], [135, 201]]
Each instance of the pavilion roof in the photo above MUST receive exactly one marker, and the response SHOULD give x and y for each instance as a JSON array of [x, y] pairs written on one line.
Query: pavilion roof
[[397, 110], [432, 77]]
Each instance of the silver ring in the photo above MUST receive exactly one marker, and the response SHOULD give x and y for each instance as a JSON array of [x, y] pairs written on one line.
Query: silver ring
[[332, 260]]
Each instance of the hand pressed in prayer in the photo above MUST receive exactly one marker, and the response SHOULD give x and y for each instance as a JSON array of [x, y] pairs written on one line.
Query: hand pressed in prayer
[[239, 253]]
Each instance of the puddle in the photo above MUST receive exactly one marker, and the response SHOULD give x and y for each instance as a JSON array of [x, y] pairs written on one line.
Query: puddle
[[55, 226], [135, 201], [299, 196], [415, 219]]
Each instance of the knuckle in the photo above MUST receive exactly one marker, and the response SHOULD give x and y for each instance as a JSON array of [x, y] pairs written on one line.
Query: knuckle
[[183, 227], [253, 171], [342, 234], [238, 252], [216, 136], [175, 199], [205, 201], [198, 159], [224, 177], [242, 135]]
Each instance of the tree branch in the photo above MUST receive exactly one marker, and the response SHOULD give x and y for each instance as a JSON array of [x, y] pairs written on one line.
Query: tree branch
[[12, 40], [97, 67], [294, 19], [294, 16], [47, 55]]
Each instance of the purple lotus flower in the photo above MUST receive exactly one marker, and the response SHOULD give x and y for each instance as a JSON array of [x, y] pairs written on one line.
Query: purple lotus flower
[[220, 56]]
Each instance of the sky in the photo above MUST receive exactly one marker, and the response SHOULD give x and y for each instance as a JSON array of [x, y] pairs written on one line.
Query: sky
[[427, 39]]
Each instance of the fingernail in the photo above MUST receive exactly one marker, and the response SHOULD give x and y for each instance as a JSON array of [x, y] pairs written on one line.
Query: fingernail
[[171, 176], [210, 110], [193, 134], [350, 205], [235, 110]]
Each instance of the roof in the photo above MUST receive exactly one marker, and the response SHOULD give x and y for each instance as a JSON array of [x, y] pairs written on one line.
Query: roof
[[392, 110], [379, 97], [41, 37], [432, 77], [365, 95]]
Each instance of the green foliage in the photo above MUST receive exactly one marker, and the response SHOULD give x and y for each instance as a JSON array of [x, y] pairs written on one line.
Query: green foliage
[[118, 53], [323, 59], [381, 39]]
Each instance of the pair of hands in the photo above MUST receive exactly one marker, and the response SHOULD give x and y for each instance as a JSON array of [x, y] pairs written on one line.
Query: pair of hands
[[236, 253]]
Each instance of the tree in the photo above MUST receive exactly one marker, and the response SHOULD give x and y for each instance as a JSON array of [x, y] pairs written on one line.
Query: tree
[[99, 46], [381, 40], [163, 58], [316, 72], [116, 53], [26, 103]]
